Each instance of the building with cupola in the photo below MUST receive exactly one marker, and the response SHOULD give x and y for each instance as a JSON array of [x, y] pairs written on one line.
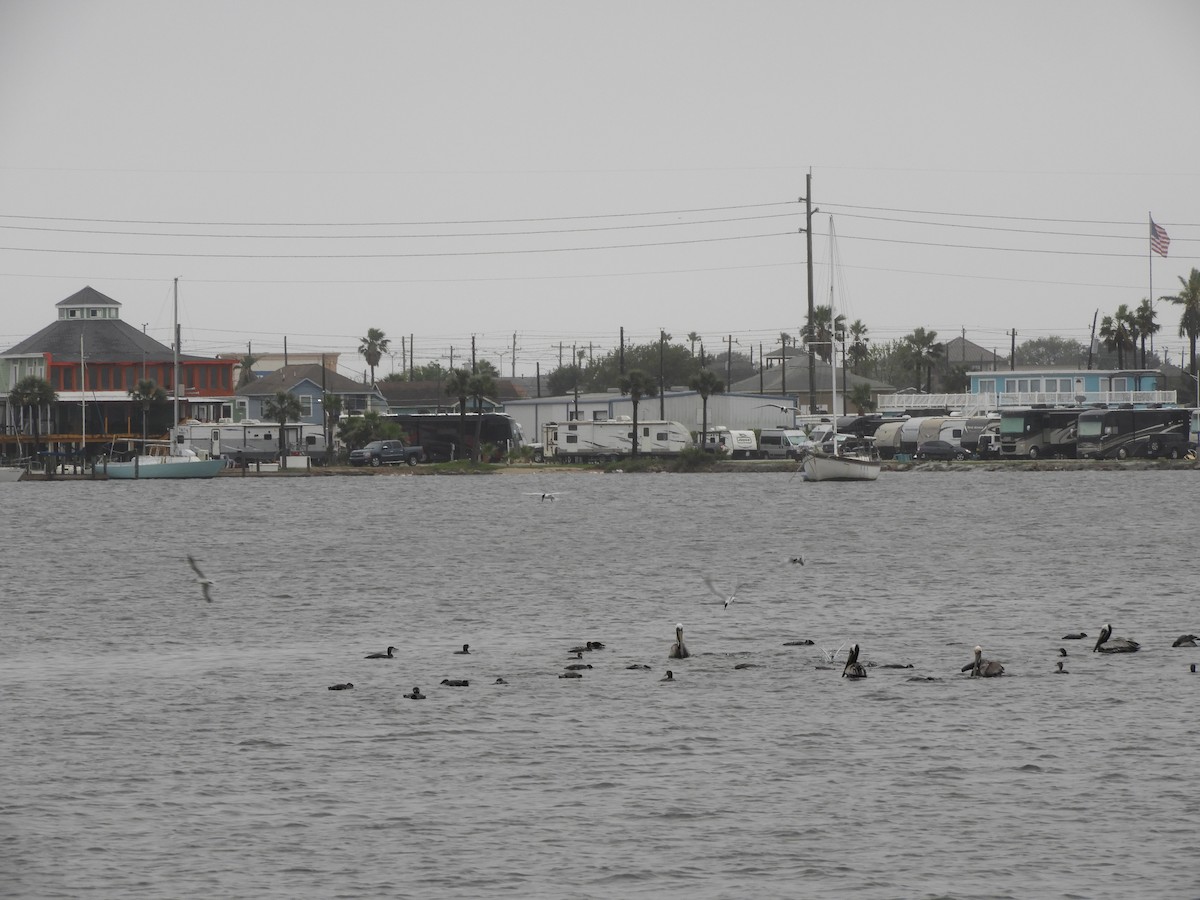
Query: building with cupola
[[93, 359]]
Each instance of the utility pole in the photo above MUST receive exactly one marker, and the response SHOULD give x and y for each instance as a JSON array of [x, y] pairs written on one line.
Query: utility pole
[[1092, 341], [812, 364], [621, 355], [514, 357], [729, 363], [412, 353], [575, 360], [474, 368], [1012, 355], [662, 401]]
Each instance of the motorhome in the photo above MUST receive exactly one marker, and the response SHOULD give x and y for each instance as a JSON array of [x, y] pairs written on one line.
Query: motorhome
[[976, 427], [738, 444], [249, 440], [1038, 432], [613, 438], [1120, 433]]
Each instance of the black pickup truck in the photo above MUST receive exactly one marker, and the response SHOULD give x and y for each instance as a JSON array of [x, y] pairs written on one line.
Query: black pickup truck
[[386, 453]]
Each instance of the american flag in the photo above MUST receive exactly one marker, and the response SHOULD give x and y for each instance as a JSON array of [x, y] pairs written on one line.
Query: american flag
[[1159, 242]]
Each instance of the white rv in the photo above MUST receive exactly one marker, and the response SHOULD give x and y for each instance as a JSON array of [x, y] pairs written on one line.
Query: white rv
[[249, 440], [738, 444], [613, 438]]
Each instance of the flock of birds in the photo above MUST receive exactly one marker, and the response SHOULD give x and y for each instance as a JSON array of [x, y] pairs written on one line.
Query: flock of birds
[[979, 667]]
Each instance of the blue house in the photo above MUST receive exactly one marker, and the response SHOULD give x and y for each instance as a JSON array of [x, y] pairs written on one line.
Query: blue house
[[1051, 386], [308, 384]]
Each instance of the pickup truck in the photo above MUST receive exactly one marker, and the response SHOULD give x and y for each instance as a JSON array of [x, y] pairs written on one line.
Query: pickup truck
[[386, 453]]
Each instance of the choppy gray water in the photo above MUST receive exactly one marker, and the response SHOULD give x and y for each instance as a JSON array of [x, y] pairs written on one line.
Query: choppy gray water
[[157, 746]]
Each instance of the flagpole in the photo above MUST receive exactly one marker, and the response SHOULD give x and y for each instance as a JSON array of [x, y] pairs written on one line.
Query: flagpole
[[1150, 261]]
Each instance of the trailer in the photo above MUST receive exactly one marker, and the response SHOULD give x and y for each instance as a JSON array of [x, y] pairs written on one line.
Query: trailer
[[583, 441], [737, 443], [249, 440]]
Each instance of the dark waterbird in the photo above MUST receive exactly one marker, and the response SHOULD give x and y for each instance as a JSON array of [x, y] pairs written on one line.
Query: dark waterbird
[[1062, 651], [389, 654], [1186, 640], [670, 676], [456, 682], [1106, 643], [570, 675], [466, 649], [1060, 670], [415, 695], [1077, 636], [341, 687]]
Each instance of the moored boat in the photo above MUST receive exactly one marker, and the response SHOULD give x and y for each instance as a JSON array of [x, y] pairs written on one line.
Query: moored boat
[[11, 473], [149, 465], [841, 465]]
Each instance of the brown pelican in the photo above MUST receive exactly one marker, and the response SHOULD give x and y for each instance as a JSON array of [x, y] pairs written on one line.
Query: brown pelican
[[985, 668], [1060, 670], [466, 649], [670, 676], [387, 655], [1186, 640], [1116, 645], [341, 687], [1077, 636], [415, 695], [679, 650], [853, 668], [456, 682]]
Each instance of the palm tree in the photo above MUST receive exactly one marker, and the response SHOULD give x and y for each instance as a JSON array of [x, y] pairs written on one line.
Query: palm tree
[[1189, 321], [147, 393], [692, 339], [479, 385], [860, 396], [858, 351], [32, 393], [705, 382], [372, 348], [458, 385], [1114, 332], [282, 408], [1143, 318], [637, 384], [926, 352], [822, 330], [246, 375]]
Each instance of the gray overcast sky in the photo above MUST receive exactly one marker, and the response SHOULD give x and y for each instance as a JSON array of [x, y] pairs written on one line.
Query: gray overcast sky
[[558, 169]]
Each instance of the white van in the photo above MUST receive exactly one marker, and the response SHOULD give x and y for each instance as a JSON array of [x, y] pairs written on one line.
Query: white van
[[782, 443]]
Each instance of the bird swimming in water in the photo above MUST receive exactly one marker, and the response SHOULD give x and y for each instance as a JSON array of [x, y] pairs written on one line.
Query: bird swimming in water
[[388, 655], [1186, 640], [341, 687], [670, 676], [728, 599], [804, 643], [637, 666], [577, 667], [203, 580], [456, 682], [1115, 645], [797, 560], [679, 650], [499, 681], [570, 675], [984, 668], [466, 649], [1062, 651], [415, 695], [1060, 670], [1077, 636], [853, 668]]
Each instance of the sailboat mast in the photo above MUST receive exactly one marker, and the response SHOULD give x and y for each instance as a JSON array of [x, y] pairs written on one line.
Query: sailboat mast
[[175, 374]]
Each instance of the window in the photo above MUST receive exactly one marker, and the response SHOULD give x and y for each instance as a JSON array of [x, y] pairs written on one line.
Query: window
[[662, 436], [306, 406], [987, 385], [1120, 384], [599, 416], [572, 439]]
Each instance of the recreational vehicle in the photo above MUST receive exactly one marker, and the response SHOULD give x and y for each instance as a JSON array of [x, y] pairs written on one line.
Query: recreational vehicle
[[738, 444], [613, 438], [1038, 432], [249, 440], [1120, 433]]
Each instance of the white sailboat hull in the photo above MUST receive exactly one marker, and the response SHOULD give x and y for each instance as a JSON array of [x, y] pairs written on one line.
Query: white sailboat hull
[[826, 467], [165, 467], [10, 473]]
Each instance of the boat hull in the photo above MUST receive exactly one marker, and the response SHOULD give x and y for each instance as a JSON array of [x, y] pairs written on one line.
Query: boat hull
[[826, 467], [167, 467], [10, 473]]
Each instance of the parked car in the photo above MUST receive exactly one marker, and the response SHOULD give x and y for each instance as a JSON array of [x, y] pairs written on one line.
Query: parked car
[[940, 450], [386, 453]]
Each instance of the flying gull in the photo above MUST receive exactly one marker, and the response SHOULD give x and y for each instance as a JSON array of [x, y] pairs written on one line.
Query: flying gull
[[205, 582]]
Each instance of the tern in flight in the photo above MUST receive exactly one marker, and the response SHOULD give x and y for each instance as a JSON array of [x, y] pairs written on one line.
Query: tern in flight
[[205, 582], [728, 598]]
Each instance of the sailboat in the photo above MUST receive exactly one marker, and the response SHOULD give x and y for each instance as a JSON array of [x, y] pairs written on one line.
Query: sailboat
[[843, 462], [165, 459]]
